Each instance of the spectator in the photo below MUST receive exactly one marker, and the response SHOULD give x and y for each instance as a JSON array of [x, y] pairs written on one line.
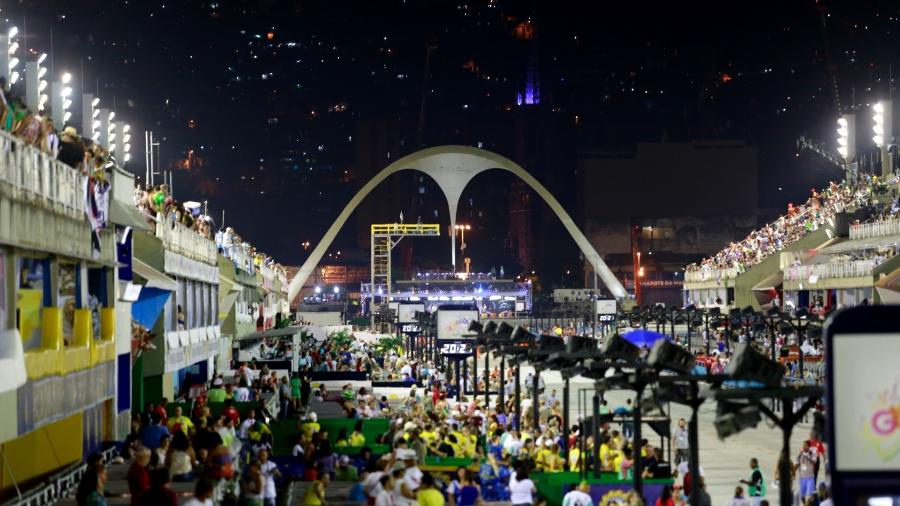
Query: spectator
[[315, 494], [151, 436], [181, 458], [269, 472], [579, 496], [138, 475], [159, 493], [179, 422], [253, 488], [738, 499], [428, 494], [344, 471], [216, 394], [203, 493], [90, 489]]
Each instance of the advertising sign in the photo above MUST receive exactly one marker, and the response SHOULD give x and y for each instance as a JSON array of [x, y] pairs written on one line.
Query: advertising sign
[[867, 389], [457, 347], [454, 323], [406, 313], [606, 306]]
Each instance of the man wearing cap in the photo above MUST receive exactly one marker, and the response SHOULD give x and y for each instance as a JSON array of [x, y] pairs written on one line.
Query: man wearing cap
[[344, 471], [412, 478], [579, 496]]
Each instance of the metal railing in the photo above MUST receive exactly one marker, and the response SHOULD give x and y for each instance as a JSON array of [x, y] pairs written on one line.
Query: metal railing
[[35, 177], [406, 229], [58, 486], [701, 275], [881, 228], [831, 270], [180, 239]]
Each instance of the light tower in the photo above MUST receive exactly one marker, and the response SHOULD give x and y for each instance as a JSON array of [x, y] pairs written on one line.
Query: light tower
[[103, 127], [8, 59], [123, 146], [111, 136], [61, 100], [90, 114], [847, 141], [884, 133], [35, 84]]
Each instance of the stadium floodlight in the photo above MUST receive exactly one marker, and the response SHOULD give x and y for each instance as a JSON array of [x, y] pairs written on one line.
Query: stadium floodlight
[[667, 355], [748, 364], [733, 417], [60, 100], [882, 127], [8, 59], [617, 347], [36, 83], [846, 137]]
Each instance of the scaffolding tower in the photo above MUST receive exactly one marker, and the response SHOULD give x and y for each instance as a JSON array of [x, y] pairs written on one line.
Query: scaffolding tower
[[385, 236]]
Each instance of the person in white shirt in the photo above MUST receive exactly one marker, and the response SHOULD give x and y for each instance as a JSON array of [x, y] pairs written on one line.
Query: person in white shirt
[[384, 496], [738, 499], [521, 488], [372, 484], [579, 496], [269, 471], [246, 424], [203, 492]]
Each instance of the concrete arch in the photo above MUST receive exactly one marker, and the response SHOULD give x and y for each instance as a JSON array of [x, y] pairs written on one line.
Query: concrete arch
[[453, 167]]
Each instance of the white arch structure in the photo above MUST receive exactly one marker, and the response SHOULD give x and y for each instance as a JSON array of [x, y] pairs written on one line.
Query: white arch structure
[[453, 167]]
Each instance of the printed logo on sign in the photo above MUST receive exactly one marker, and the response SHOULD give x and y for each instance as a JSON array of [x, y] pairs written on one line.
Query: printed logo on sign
[[882, 428]]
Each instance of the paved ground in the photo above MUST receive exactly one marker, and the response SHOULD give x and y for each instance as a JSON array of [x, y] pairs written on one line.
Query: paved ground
[[724, 462]]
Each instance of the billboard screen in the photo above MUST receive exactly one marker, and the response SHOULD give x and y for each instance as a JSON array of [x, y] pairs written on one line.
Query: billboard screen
[[606, 306], [406, 313], [866, 399], [453, 323]]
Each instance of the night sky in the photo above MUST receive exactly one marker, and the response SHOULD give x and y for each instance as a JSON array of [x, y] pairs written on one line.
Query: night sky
[[264, 100]]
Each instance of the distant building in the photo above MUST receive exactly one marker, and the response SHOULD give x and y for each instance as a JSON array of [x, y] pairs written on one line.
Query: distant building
[[688, 200]]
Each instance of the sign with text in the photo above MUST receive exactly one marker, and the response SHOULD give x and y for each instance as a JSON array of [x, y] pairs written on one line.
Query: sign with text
[[406, 313], [606, 306], [454, 323], [456, 347]]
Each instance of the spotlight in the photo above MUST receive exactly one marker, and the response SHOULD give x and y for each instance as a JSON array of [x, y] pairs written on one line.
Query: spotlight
[[667, 355], [475, 326], [617, 347], [735, 417], [749, 364], [490, 328]]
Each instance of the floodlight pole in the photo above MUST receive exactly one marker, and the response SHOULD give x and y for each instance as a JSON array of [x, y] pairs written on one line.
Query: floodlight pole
[[518, 403], [566, 419], [503, 382], [787, 423], [487, 378], [595, 429], [535, 411]]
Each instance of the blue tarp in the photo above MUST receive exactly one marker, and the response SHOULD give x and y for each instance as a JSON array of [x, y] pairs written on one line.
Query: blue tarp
[[641, 337], [149, 305]]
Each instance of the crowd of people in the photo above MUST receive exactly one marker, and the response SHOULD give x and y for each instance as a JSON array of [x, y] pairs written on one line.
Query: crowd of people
[[799, 221], [38, 130]]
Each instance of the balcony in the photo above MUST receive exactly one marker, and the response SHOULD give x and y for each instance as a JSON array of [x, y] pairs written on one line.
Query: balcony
[[33, 177], [702, 275], [42, 204], [180, 239], [883, 228], [831, 270]]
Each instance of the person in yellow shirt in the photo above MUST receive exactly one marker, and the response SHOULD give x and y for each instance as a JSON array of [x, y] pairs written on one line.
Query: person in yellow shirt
[[606, 453], [470, 441], [428, 435], [180, 422], [343, 439], [311, 425], [428, 494], [553, 463], [575, 459], [357, 439], [541, 456]]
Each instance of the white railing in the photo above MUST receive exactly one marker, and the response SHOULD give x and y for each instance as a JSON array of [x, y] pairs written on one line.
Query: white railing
[[180, 239], [831, 270], [881, 228], [702, 274], [35, 177]]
